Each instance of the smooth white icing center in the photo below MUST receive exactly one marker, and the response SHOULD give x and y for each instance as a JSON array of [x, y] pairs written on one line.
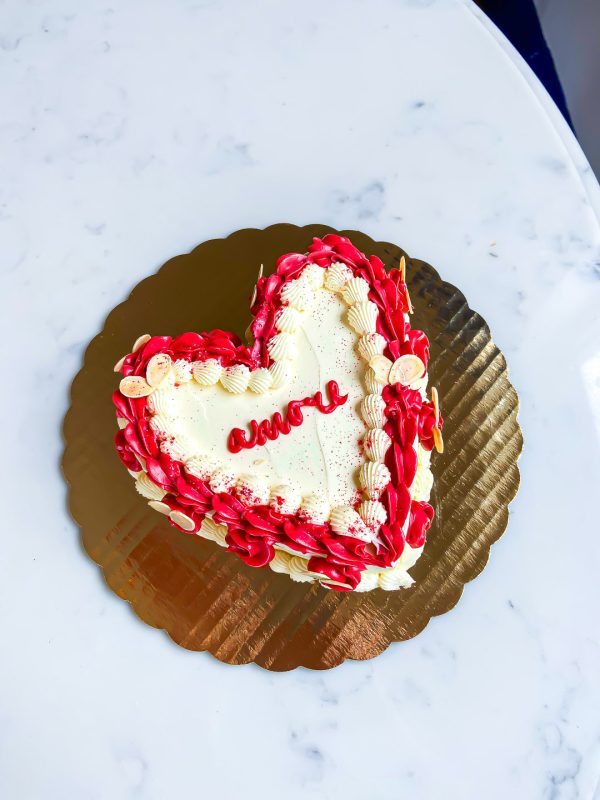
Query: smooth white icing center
[[320, 456]]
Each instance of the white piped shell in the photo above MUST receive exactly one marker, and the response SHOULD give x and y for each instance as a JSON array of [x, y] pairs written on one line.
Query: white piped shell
[[173, 449], [409, 557], [314, 509], [337, 276], [347, 522], [236, 378], [299, 570], [216, 533], [182, 370], [373, 477], [393, 579], [298, 294], [363, 317], [222, 480], [285, 499], [423, 457], [252, 490], [281, 373], [314, 275], [422, 484], [288, 319], [208, 372], [356, 291], [368, 581], [148, 488], [371, 344], [280, 562], [202, 466], [161, 402], [372, 410], [282, 345], [376, 444], [260, 380], [373, 513], [374, 386]]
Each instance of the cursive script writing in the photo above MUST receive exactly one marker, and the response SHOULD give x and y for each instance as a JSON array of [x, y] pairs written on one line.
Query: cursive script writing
[[278, 424]]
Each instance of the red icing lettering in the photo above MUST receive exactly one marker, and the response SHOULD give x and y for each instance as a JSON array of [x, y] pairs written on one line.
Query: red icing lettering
[[278, 424]]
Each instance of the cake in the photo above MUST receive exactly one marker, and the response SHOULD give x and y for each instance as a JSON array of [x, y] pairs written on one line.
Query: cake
[[307, 449]]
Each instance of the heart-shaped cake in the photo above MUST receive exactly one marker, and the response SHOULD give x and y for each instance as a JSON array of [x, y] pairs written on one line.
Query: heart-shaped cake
[[306, 450]]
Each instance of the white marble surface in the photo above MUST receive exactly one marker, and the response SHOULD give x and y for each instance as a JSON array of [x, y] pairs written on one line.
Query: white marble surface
[[128, 133]]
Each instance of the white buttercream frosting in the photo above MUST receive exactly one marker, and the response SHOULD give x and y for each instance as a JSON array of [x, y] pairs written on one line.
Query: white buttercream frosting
[[337, 276], [298, 570], [363, 317], [160, 402], [373, 384], [222, 479], [393, 579], [371, 344], [282, 345], [260, 380], [356, 291], [202, 466], [288, 319], [423, 482], [173, 449], [158, 426], [148, 488], [314, 509], [376, 444], [211, 530], [372, 410], [373, 477], [346, 521], [373, 513], [314, 275], [368, 582], [253, 490], [281, 373], [285, 499], [182, 371], [298, 294], [208, 372], [281, 562], [236, 378]]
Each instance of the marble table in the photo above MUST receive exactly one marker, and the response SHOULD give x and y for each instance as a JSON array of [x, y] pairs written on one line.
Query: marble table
[[132, 131]]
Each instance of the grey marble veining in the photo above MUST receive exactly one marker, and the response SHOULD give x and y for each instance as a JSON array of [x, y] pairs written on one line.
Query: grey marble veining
[[132, 131]]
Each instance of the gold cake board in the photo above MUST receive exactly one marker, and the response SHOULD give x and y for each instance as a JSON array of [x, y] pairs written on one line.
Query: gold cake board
[[208, 599]]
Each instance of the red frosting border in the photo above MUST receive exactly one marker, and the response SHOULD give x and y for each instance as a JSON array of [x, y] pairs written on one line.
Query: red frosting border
[[253, 531]]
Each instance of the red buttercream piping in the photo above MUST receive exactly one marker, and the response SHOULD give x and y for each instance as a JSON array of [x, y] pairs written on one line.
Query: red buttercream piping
[[270, 429], [253, 532]]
